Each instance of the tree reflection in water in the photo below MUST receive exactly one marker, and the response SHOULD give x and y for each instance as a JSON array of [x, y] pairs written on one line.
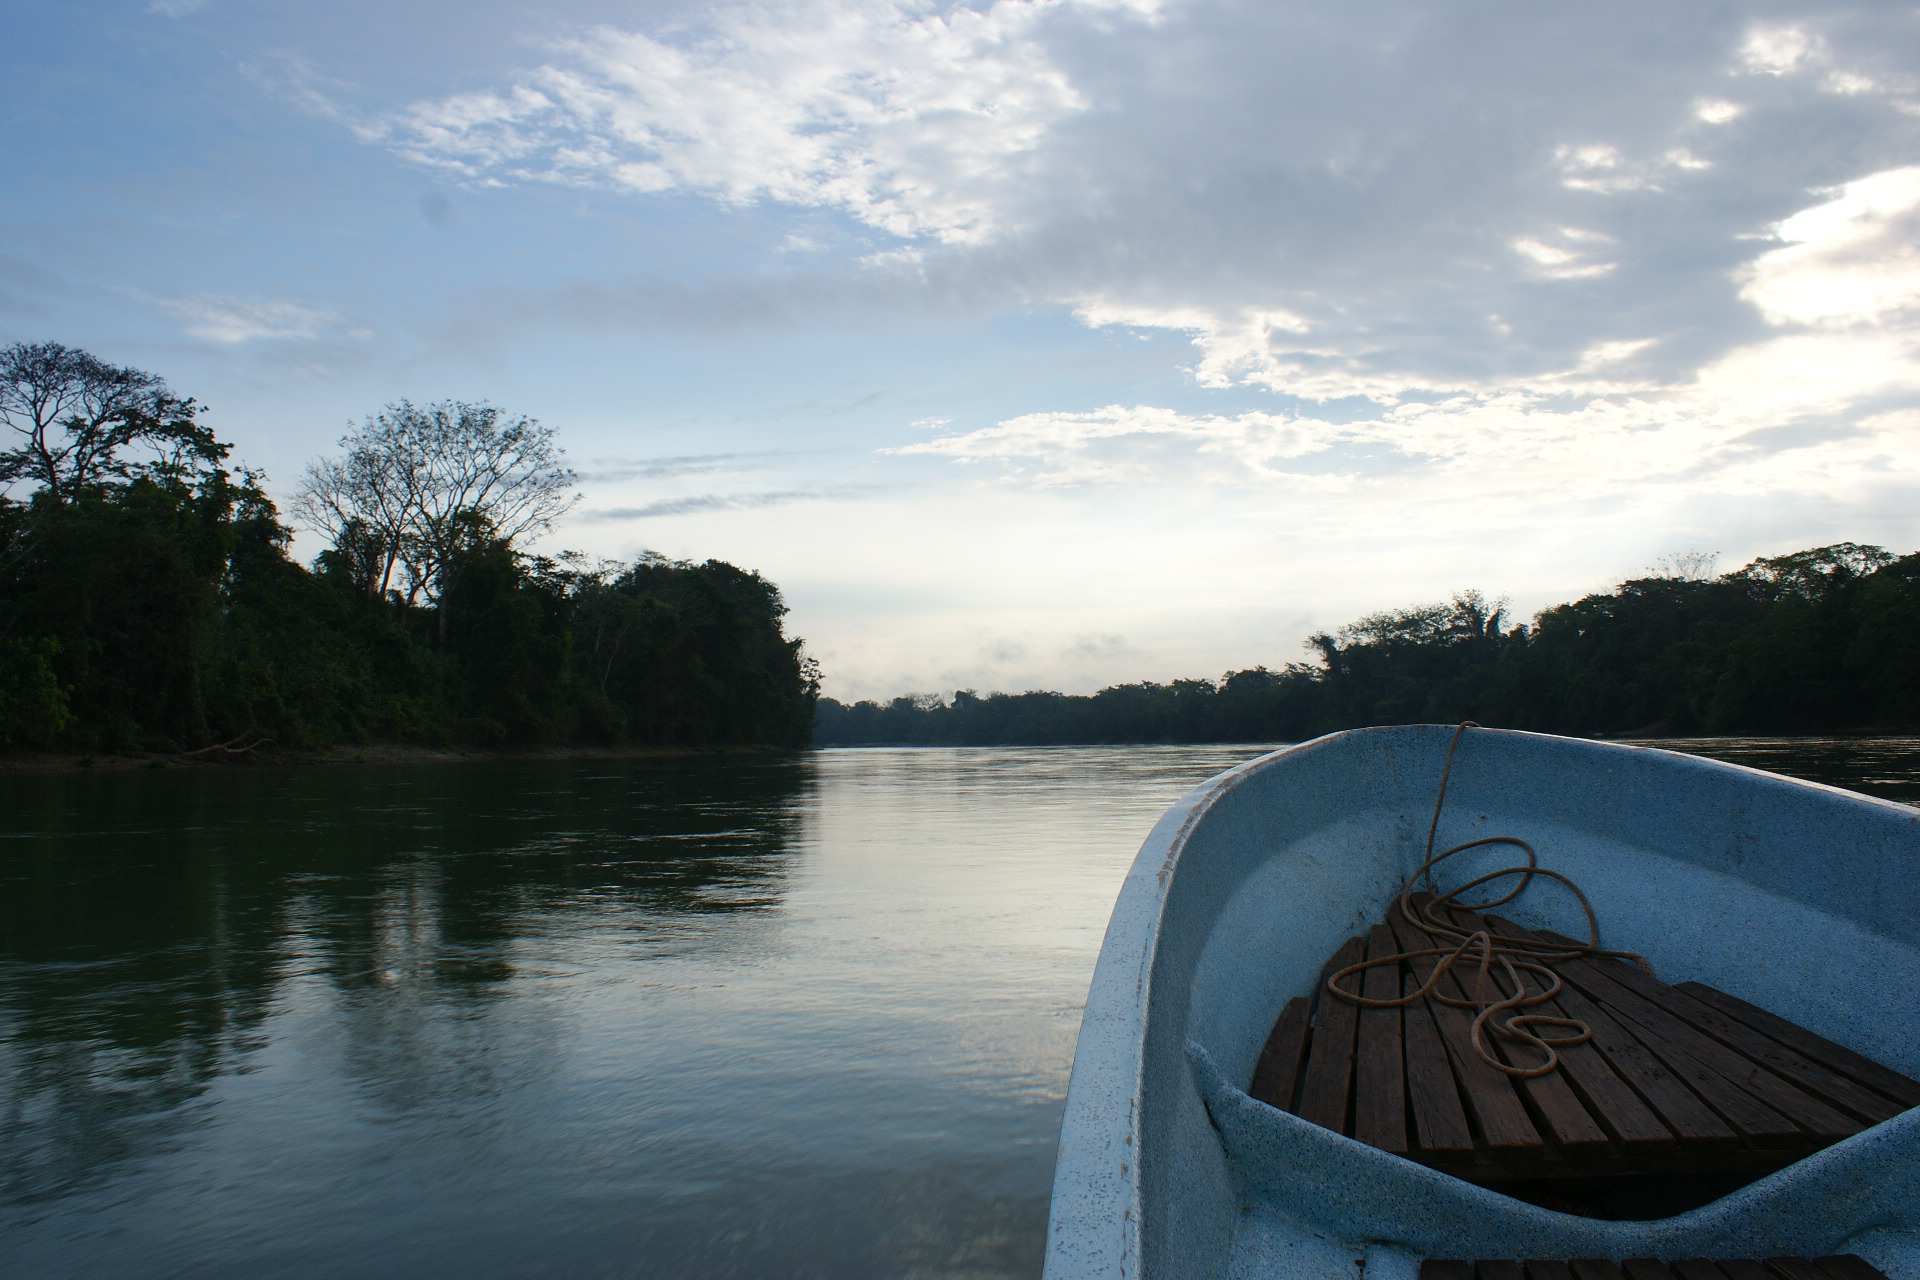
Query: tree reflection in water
[[1886, 767], [150, 923]]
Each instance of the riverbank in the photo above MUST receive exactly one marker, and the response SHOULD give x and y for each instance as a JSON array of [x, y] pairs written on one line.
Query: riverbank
[[267, 755]]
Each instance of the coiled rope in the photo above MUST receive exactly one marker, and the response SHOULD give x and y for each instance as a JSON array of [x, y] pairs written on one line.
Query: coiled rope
[[1505, 957]]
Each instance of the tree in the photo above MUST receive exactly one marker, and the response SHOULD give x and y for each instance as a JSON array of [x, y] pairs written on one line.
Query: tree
[[74, 416], [1811, 573], [415, 483], [1685, 566], [691, 653]]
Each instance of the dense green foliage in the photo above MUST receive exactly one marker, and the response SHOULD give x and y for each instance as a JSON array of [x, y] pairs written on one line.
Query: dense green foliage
[[153, 605], [1817, 641]]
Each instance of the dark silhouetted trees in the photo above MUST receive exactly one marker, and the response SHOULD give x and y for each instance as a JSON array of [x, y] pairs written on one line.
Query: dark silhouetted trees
[[148, 600], [75, 423], [1818, 641]]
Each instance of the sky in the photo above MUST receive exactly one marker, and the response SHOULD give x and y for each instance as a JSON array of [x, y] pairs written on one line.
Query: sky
[[1028, 343]]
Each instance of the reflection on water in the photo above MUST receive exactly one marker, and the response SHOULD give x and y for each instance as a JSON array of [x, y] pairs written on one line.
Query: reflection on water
[[159, 933], [721, 1016], [1885, 767], [806, 1016]]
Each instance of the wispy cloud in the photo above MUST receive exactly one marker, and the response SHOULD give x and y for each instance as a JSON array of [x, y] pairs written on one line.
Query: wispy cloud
[[700, 503], [911, 120], [216, 318], [1095, 647], [612, 471], [1811, 411], [1460, 204], [1132, 445], [292, 78]]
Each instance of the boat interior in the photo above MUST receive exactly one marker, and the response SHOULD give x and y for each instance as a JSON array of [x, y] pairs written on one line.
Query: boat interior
[[1744, 1095], [1661, 1097]]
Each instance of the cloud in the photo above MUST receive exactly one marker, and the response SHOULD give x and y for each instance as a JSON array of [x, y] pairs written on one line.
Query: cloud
[[1332, 205], [1507, 249], [1810, 413], [611, 471], [1776, 50], [234, 320], [1002, 652], [1452, 205], [697, 504], [1095, 647], [294, 79], [1569, 259], [911, 120], [1847, 262], [1132, 445]]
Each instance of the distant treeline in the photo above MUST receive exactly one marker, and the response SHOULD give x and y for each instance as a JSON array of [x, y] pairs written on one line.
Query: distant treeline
[[148, 600], [1818, 641]]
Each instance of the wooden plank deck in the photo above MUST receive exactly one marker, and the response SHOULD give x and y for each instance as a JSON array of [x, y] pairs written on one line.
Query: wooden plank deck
[[1677, 1079], [1844, 1266]]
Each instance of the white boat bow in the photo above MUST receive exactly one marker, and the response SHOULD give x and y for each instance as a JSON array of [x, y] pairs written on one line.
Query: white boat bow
[[1800, 898]]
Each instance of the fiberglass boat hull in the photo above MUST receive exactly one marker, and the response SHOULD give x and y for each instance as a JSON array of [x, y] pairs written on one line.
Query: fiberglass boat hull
[[1800, 898]]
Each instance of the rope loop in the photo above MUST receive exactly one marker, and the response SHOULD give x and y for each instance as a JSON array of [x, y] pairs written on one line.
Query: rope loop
[[1498, 991]]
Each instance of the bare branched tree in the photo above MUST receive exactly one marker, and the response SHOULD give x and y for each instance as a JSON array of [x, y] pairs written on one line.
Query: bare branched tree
[[1685, 566], [73, 418], [415, 482], [365, 501]]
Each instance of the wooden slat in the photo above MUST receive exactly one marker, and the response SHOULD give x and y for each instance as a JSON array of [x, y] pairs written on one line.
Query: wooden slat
[[1753, 1083], [1609, 1098], [1850, 1266], [1823, 1083], [1556, 1108], [1695, 1269], [1672, 1080], [1329, 1076], [1667, 1090], [1439, 1118], [1691, 1120], [1503, 1121], [1379, 1070], [1594, 1269], [1880, 1078], [1278, 1070], [1497, 1269], [1645, 1269], [1796, 1269], [1446, 1269], [1742, 1269], [1546, 1269], [1728, 1082]]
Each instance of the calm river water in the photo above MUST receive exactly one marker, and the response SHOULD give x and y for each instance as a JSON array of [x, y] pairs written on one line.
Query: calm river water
[[705, 1017]]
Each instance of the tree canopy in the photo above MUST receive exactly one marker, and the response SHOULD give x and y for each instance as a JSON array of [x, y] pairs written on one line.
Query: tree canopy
[[1821, 640], [74, 420], [149, 601], [415, 483]]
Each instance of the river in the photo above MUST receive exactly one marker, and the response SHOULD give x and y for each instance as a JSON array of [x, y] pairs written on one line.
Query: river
[[702, 1017]]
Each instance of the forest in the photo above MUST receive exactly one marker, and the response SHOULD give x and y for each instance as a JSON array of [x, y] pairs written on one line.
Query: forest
[[150, 603], [1819, 641]]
